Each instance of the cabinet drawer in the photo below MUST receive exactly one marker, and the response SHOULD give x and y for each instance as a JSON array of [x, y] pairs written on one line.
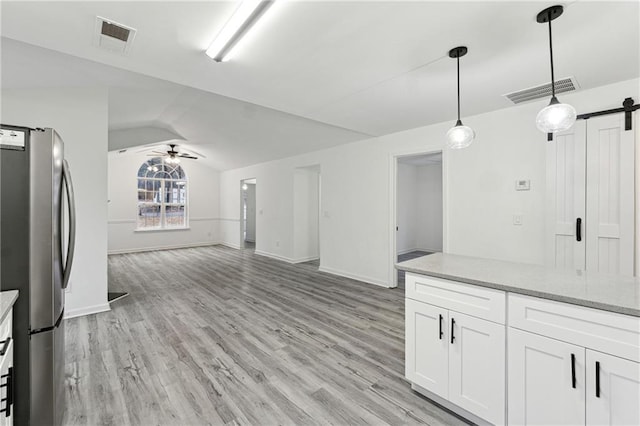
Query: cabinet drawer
[[480, 302], [604, 331], [6, 326]]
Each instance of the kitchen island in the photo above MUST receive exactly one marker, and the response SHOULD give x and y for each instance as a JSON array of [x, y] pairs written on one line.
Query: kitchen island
[[501, 342]]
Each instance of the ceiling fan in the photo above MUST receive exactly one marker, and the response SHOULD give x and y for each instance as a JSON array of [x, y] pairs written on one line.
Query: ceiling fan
[[173, 155]]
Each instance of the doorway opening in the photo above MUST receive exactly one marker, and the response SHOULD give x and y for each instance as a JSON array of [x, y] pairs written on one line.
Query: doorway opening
[[419, 209], [306, 216], [248, 213]]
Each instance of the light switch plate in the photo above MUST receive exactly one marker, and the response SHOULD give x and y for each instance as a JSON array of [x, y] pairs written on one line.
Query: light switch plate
[[523, 185]]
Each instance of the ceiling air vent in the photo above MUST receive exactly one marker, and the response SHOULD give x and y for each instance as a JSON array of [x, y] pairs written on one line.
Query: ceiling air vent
[[568, 84], [112, 36]]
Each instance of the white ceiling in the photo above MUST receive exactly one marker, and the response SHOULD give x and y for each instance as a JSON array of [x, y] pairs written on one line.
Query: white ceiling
[[351, 69]]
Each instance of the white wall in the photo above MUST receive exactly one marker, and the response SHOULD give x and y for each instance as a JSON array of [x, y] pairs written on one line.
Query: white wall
[[480, 201], [419, 207], [407, 208], [81, 118], [251, 213], [306, 215], [203, 207], [429, 209]]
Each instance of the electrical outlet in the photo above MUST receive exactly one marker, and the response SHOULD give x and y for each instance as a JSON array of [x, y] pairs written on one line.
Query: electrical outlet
[[517, 219]]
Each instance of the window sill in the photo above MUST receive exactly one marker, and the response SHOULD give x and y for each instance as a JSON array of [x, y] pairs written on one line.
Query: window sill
[[184, 228]]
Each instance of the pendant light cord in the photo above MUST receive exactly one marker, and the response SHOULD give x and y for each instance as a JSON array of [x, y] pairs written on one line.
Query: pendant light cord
[[553, 84], [458, 64]]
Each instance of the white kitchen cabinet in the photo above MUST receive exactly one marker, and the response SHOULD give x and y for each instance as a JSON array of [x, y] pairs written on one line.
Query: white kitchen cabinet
[[6, 371], [457, 356], [546, 381], [613, 390], [427, 347], [477, 366]]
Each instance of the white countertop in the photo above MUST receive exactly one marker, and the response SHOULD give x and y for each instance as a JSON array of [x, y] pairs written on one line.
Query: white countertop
[[7, 299], [594, 290]]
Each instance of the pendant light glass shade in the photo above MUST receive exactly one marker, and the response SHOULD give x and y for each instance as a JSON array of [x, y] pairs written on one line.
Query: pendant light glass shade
[[460, 136], [556, 117]]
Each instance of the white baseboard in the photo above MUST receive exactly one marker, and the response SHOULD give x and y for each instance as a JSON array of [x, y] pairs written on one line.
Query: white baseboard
[[171, 247], [305, 259], [233, 246], [274, 256], [88, 310], [354, 276]]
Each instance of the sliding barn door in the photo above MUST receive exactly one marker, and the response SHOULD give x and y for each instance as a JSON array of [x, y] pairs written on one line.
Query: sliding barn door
[[566, 156], [610, 195], [591, 197]]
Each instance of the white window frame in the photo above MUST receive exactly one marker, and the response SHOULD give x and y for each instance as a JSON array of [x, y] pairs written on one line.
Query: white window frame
[[161, 197]]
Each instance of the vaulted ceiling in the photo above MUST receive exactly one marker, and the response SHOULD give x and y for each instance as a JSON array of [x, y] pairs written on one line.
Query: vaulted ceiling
[[315, 73]]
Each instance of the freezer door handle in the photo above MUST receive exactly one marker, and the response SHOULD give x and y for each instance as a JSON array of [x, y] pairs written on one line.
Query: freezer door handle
[[71, 248]]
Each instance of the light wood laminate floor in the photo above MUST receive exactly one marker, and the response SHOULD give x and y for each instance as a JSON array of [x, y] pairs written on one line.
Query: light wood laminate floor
[[213, 335]]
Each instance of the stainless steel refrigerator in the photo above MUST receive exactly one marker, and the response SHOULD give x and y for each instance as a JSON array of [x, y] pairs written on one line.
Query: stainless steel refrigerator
[[37, 235]]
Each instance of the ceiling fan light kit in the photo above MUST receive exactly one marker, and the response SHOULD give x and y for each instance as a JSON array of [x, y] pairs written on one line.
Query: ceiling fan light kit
[[555, 117], [459, 136]]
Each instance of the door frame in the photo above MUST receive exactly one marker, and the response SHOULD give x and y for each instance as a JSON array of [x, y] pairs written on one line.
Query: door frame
[[242, 224], [393, 207]]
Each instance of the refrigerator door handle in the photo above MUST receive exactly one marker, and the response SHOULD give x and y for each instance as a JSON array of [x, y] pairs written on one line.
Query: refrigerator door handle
[[71, 248]]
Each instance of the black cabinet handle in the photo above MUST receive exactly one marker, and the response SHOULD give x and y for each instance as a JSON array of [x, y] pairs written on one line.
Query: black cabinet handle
[[597, 379], [579, 229], [573, 371], [441, 332], [453, 323], [5, 346], [8, 400]]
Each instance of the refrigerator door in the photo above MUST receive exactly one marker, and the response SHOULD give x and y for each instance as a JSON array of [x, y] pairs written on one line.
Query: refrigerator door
[[47, 376], [46, 258]]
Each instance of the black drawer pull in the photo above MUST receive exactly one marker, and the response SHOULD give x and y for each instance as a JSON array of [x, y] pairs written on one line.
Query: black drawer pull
[[573, 371], [579, 229], [597, 379], [5, 346], [441, 332], [453, 323], [10, 392]]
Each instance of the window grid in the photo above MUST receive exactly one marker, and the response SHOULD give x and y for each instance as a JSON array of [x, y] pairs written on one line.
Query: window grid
[[162, 195]]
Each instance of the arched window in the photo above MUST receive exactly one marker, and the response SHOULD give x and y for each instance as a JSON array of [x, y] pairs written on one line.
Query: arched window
[[162, 195]]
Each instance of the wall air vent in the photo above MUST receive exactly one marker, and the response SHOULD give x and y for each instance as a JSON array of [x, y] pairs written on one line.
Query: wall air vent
[[112, 36], [568, 84]]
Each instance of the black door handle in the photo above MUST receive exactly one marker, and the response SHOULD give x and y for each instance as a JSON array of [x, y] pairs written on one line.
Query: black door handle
[[453, 323], [441, 333], [579, 229], [597, 379], [573, 371]]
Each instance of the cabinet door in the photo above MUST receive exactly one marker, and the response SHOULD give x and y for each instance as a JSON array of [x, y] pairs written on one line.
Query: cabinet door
[[613, 390], [477, 366], [6, 407], [546, 381], [427, 346]]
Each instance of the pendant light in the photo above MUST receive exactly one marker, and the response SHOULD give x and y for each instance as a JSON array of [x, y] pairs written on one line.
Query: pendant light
[[459, 136], [556, 116]]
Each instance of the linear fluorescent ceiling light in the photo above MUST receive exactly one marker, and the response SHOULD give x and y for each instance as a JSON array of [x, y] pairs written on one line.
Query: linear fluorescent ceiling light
[[243, 19]]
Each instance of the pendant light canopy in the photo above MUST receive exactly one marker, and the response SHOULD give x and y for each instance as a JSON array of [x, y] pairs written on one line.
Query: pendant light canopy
[[459, 136], [557, 116]]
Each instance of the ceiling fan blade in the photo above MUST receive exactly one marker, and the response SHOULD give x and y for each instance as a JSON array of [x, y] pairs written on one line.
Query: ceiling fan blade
[[159, 152], [187, 156]]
